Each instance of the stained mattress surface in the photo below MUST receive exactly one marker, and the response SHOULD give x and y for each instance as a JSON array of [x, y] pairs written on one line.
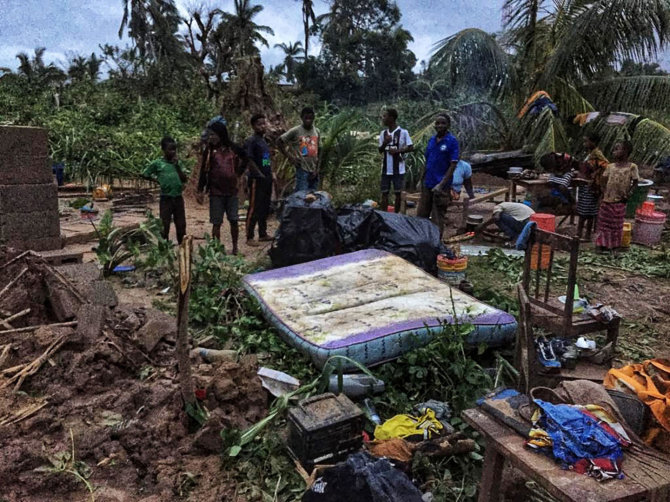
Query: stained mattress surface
[[359, 299]]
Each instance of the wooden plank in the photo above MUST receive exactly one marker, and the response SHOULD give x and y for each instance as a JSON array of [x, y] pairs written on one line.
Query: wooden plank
[[562, 484], [481, 198], [489, 486]]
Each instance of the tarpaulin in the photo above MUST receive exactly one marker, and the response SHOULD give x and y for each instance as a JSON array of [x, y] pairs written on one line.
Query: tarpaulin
[[650, 381], [417, 240], [307, 230], [584, 438]]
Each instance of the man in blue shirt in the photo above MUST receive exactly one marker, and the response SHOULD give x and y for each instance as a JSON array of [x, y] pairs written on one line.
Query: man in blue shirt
[[442, 155]]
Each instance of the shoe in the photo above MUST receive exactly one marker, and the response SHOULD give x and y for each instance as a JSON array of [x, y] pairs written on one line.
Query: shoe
[[253, 243], [266, 238]]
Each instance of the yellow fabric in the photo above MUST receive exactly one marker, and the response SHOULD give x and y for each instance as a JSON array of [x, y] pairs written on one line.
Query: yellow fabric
[[402, 426], [531, 100], [650, 381]]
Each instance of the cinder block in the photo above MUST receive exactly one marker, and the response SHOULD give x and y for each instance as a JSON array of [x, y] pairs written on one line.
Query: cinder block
[[81, 273], [29, 226], [41, 244], [25, 170], [33, 140], [28, 198]]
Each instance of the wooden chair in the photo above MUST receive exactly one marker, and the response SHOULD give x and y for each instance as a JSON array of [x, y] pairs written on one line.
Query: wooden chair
[[538, 310], [547, 312], [531, 372]]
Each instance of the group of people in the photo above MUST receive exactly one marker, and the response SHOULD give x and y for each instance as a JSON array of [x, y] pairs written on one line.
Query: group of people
[[602, 199], [224, 163]]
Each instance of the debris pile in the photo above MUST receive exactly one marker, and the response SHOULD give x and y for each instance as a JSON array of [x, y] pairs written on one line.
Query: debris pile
[[89, 392]]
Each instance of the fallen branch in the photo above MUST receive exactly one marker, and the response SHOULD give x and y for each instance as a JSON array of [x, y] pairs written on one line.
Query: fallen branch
[[14, 317], [5, 354], [12, 282], [17, 258], [35, 366], [68, 285], [38, 326], [13, 369], [23, 414]]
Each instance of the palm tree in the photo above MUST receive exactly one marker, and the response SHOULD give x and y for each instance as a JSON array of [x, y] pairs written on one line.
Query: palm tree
[[244, 33], [35, 71], [291, 58], [561, 47], [308, 15], [153, 25], [78, 68]]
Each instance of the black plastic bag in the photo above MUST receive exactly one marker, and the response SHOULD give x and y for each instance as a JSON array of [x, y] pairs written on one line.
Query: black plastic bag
[[307, 230], [363, 478], [416, 240]]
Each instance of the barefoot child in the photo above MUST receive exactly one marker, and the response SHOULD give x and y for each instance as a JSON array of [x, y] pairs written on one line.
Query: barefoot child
[[619, 180], [588, 195], [222, 165], [170, 176]]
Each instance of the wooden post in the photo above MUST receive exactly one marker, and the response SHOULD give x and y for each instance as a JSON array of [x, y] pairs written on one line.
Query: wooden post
[[185, 379]]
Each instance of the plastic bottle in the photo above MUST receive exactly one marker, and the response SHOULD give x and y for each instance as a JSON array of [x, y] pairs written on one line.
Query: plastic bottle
[[371, 412], [356, 385], [212, 355]]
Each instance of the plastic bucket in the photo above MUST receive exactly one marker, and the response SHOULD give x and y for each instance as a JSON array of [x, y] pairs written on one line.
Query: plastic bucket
[[638, 196], [648, 228], [452, 265], [451, 278], [627, 234], [545, 257], [544, 221]]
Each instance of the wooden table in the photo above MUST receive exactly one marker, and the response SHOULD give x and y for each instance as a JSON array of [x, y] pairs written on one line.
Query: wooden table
[[647, 472], [527, 184]]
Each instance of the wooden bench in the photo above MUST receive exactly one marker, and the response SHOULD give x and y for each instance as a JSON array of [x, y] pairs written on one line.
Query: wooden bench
[[647, 472], [466, 203]]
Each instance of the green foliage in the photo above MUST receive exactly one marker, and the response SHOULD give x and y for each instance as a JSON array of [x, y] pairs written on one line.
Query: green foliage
[[112, 249], [639, 261], [65, 462]]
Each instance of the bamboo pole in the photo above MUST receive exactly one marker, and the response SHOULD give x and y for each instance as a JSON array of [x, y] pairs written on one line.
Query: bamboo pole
[[12, 282], [38, 326]]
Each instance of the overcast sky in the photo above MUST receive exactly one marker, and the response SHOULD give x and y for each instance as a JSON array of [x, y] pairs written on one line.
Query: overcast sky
[[69, 27]]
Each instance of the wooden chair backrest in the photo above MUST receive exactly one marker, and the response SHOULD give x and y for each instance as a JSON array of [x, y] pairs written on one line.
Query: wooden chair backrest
[[537, 283], [524, 351]]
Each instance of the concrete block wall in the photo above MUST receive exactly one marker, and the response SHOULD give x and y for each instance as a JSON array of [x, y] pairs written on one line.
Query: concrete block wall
[[28, 194]]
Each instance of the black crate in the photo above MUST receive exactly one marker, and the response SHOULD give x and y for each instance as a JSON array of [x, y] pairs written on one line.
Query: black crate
[[324, 429]]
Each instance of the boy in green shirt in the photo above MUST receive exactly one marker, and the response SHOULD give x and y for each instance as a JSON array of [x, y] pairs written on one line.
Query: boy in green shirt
[[171, 178]]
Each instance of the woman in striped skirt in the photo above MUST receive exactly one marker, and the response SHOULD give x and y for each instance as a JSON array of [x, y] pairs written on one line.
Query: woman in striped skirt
[[588, 195], [619, 180]]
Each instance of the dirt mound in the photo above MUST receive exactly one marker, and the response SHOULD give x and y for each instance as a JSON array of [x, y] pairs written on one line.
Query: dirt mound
[[103, 406]]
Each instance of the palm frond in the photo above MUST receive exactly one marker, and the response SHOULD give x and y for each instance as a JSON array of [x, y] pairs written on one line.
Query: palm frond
[[651, 141], [473, 58], [547, 134], [568, 98], [602, 32], [630, 94]]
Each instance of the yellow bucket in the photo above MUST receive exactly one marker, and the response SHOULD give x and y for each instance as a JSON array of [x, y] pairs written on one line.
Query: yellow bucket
[[627, 233]]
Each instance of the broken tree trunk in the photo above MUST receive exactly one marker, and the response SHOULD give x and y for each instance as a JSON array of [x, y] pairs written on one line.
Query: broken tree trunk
[[185, 379]]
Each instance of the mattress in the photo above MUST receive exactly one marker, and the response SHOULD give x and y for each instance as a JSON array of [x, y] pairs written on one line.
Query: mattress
[[370, 306]]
